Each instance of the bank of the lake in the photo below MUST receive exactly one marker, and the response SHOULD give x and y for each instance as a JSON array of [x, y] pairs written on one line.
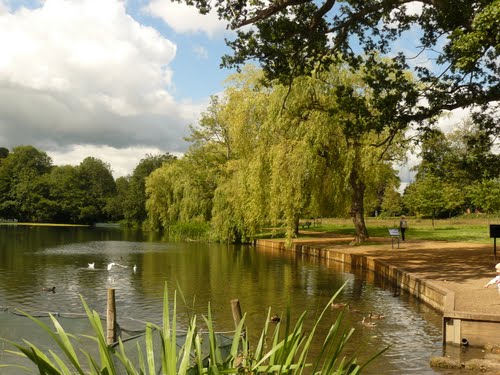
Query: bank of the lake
[[449, 276]]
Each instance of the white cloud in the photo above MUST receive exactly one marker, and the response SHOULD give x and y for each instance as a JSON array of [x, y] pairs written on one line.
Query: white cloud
[[201, 52], [122, 161], [186, 19], [414, 8], [85, 72], [450, 120]]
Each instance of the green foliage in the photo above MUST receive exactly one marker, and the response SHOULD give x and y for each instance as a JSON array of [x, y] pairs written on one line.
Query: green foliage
[[286, 350], [485, 195], [21, 186], [432, 196], [179, 191], [450, 162], [392, 202], [291, 39], [134, 194], [96, 186], [189, 231], [267, 155], [469, 46]]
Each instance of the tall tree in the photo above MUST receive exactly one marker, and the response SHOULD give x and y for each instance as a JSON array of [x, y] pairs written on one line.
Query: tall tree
[[4, 152], [134, 203], [20, 184], [365, 118], [391, 203], [97, 185], [65, 193]]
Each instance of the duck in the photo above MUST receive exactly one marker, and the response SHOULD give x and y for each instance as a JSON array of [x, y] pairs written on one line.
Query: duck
[[376, 316], [353, 310], [135, 268], [92, 265], [368, 324], [53, 289], [275, 319], [339, 305], [110, 265]]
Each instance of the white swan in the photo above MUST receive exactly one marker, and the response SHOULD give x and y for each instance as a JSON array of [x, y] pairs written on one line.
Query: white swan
[[112, 264], [135, 268], [92, 265]]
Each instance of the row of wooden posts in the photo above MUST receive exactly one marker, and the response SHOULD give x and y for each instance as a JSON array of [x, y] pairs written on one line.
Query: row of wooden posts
[[111, 324]]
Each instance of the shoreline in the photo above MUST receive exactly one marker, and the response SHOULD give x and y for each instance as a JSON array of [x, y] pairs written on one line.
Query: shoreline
[[448, 276]]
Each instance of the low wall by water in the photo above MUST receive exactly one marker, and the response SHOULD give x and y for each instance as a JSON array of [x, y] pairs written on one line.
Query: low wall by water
[[459, 327]]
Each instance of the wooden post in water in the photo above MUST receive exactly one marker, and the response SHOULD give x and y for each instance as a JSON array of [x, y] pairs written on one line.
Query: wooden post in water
[[111, 318], [236, 309]]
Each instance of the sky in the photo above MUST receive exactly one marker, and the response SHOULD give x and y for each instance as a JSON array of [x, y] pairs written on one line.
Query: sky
[[112, 79]]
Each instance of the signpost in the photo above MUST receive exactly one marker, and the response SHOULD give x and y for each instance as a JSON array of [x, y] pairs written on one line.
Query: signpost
[[494, 233], [394, 233]]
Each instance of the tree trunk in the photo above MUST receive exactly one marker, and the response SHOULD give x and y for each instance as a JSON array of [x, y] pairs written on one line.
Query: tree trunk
[[357, 205], [296, 221]]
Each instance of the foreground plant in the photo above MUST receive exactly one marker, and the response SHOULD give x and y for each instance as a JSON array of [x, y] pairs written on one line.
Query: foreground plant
[[288, 353]]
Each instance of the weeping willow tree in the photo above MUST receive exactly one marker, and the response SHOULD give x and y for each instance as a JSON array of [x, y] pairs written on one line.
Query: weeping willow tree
[[270, 155], [183, 191], [331, 140]]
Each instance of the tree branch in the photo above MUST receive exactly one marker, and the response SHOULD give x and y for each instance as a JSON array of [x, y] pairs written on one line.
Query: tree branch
[[274, 8]]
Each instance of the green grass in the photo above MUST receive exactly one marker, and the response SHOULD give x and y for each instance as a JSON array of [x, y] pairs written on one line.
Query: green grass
[[460, 229]]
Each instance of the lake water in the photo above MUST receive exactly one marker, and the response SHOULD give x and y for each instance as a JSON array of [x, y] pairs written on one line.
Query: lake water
[[34, 257]]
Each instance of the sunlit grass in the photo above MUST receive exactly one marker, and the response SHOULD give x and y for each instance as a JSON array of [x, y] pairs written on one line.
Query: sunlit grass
[[461, 229], [455, 229]]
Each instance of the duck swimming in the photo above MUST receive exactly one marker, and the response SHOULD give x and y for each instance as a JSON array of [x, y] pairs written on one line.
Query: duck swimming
[[53, 289], [376, 316], [92, 265], [368, 324], [339, 305], [275, 319]]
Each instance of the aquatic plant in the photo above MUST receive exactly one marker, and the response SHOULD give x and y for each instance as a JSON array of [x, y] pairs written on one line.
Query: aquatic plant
[[284, 350]]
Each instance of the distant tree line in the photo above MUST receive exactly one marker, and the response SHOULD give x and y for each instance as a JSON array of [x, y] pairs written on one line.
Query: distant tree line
[[33, 189]]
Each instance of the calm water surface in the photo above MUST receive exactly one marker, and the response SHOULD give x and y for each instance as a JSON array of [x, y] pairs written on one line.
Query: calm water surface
[[32, 258]]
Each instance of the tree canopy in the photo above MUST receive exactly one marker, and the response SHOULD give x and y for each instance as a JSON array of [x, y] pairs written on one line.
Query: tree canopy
[[291, 38], [276, 154]]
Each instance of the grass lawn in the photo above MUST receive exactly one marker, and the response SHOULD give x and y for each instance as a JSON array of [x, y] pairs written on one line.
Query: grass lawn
[[462, 229]]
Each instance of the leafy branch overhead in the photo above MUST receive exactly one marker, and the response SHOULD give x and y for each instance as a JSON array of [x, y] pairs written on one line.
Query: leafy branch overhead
[[291, 38]]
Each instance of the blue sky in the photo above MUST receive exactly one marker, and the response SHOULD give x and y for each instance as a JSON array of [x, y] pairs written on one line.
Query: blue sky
[[106, 78], [113, 79]]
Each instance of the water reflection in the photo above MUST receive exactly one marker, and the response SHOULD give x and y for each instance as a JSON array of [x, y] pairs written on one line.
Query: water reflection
[[33, 258]]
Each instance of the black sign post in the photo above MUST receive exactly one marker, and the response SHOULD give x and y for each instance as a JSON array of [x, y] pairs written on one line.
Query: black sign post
[[494, 233]]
